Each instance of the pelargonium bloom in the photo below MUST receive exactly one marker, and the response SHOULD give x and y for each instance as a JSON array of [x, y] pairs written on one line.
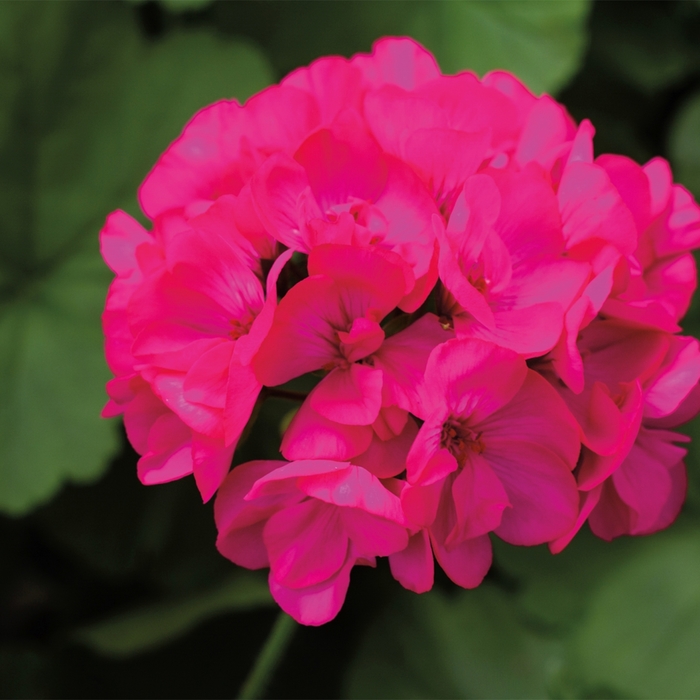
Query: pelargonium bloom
[[484, 316]]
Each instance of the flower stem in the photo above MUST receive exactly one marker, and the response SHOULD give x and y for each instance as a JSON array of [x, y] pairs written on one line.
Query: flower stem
[[269, 657]]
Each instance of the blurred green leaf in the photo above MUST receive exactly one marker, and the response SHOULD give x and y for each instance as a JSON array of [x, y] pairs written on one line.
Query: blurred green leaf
[[649, 48], [684, 144], [150, 627], [179, 5], [642, 634], [468, 645], [541, 41], [87, 107], [554, 591]]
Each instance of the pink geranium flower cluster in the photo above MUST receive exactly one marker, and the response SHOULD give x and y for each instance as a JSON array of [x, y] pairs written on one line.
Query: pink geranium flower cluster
[[490, 313]]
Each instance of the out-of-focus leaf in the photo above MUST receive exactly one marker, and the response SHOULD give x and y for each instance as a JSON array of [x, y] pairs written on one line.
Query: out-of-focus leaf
[[642, 634], [648, 48], [684, 144], [470, 645], [25, 672], [150, 627], [554, 590], [87, 107], [541, 41], [124, 532], [179, 5]]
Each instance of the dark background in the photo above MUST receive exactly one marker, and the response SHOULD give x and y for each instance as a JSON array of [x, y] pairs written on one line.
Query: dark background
[[112, 589]]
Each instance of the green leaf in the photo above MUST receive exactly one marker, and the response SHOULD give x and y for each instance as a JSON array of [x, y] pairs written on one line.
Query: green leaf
[[649, 48], [684, 144], [179, 5], [553, 591], [87, 107], [541, 41], [468, 645], [642, 634], [149, 627]]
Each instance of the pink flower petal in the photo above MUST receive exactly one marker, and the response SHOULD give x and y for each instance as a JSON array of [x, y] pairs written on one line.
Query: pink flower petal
[[372, 536], [306, 543], [540, 488], [311, 436], [479, 499], [413, 566], [466, 563], [211, 462], [474, 378], [314, 605], [351, 396]]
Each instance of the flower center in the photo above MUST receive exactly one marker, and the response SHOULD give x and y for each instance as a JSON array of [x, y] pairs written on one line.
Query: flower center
[[460, 440], [240, 327]]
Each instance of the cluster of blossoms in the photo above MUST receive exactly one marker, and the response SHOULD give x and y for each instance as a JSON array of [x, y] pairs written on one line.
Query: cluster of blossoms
[[490, 316]]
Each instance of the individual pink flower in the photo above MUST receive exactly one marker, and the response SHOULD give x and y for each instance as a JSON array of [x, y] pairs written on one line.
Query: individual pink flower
[[501, 263], [331, 321], [654, 284], [494, 454], [630, 471], [340, 188], [310, 521]]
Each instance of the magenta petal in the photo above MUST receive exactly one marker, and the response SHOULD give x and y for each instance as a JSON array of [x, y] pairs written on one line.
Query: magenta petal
[[546, 128], [353, 488], [403, 358], [397, 61], [277, 190], [598, 416], [413, 566], [211, 463], [676, 378], [314, 605], [372, 536], [203, 419], [538, 415], [472, 377], [306, 543], [530, 331], [206, 380], [119, 238], [332, 81], [587, 502], [242, 391], [479, 501], [466, 563], [341, 166], [369, 279], [169, 454], [195, 164], [611, 517], [592, 208], [364, 337], [445, 158], [387, 458], [541, 490], [240, 522], [351, 396], [311, 436], [529, 223], [420, 503], [286, 477], [305, 326], [248, 345]]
